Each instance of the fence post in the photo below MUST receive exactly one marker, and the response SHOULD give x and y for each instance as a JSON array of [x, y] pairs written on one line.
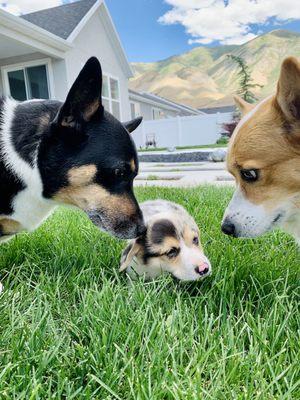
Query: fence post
[[179, 128]]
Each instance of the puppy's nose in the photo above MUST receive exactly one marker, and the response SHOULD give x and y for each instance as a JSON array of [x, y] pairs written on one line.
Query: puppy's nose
[[228, 228], [202, 269]]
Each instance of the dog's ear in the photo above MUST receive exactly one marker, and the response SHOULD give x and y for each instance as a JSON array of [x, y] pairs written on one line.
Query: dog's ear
[[133, 124], [288, 89], [84, 98], [130, 251], [242, 105]]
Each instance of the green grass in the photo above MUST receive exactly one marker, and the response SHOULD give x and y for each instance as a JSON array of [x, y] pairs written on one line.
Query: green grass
[[71, 327], [206, 146]]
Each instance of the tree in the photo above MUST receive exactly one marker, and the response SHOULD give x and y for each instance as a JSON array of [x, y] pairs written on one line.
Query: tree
[[246, 86], [245, 79]]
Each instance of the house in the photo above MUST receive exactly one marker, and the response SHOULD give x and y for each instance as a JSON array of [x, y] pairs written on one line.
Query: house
[[219, 109], [41, 53], [153, 107]]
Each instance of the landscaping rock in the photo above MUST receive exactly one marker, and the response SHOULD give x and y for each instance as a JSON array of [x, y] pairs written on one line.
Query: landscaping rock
[[218, 155], [171, 149]]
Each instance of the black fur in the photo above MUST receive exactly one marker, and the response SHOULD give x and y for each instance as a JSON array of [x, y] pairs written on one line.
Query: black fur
[[162, 229], [28, 126], [60, 136]]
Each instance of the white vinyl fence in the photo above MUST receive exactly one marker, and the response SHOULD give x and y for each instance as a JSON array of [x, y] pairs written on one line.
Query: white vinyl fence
[[182, 131]]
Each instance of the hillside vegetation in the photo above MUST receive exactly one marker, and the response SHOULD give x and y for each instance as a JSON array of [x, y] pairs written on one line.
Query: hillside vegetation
[[205, 76]]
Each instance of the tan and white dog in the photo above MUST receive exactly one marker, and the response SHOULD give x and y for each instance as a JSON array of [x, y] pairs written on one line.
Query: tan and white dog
[[264, 158], [170, 245]]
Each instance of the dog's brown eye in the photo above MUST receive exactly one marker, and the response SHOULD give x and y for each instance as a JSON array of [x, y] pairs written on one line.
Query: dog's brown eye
[[196, 241], [173, 252], [249, 175]]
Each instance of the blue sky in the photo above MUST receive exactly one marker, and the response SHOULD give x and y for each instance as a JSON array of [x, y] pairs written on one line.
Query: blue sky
[[153, 30], [146, 39]]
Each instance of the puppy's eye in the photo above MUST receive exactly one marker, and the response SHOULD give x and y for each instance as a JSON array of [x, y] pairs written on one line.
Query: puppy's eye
[[249, 175], [173, 252], [196, 241]]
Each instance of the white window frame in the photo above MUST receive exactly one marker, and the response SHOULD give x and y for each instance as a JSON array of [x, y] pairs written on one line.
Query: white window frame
[[137, 108], [110, 99], [156, 109], [21, 66]]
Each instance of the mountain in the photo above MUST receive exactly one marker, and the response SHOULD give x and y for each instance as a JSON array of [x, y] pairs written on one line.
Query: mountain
[[205, 77]]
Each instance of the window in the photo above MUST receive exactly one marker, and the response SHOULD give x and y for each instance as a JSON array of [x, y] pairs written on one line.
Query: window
[[157, 113], [135, 110], [111, 96], [28, 83]]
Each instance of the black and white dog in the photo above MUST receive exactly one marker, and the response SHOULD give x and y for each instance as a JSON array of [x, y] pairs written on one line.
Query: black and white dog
[[71, 153]]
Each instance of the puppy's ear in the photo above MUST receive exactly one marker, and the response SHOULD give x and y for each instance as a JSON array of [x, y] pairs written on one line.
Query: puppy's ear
[[288, 89], [133, 124], [130, 251], [242, 105], [84, 98]]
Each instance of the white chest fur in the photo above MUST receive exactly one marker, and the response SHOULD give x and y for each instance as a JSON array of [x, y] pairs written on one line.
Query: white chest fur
[[30, 208]]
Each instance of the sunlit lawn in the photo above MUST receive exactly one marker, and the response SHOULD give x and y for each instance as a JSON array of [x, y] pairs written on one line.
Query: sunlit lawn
[[72, 327]]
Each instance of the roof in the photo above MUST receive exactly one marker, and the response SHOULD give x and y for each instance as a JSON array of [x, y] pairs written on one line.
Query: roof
[[160, 101], [66, 21], [220, 109], [25, 32], [61, 20]]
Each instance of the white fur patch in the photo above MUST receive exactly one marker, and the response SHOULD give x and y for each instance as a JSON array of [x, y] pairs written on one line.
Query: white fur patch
[[251, 220], [30, 208]]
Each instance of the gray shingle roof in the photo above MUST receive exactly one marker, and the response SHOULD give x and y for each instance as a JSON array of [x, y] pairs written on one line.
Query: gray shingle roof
[[61, 20]]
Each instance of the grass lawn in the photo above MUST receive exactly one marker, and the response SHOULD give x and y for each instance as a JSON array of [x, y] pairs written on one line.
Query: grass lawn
[[206, 146], [72, 328]]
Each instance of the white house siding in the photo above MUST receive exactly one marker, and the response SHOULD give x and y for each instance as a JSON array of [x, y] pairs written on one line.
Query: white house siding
[[93, 40], [146, 110], [60, 80]]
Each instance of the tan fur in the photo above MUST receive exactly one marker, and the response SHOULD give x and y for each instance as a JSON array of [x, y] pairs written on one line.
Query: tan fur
[[90, 111], [132, 165], [264, 143], [136, 248], [43, 122], [94, 197], [9, 226], [82, 175], [189, 235], [242, 105], [165, 246]]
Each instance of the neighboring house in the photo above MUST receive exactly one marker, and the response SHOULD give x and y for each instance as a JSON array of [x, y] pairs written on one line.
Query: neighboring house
[[41, 53], [220, 109], [152, 107]]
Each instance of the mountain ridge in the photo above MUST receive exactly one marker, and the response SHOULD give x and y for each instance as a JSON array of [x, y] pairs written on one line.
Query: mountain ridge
[[205, 77]]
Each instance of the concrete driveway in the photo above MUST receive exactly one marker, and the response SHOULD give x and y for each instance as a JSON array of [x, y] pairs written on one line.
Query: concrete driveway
[[183, 174]]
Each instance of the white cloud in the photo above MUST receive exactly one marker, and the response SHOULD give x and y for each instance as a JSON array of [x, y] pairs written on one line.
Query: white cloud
[[228, 22], [26, 6]]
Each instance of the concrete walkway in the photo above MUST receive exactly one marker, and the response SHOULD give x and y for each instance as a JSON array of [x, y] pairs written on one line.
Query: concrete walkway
[[179, 151], [183, 174]]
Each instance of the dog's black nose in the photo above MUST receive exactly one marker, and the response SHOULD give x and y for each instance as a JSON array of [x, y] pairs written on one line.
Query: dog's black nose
[[228, 228]]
